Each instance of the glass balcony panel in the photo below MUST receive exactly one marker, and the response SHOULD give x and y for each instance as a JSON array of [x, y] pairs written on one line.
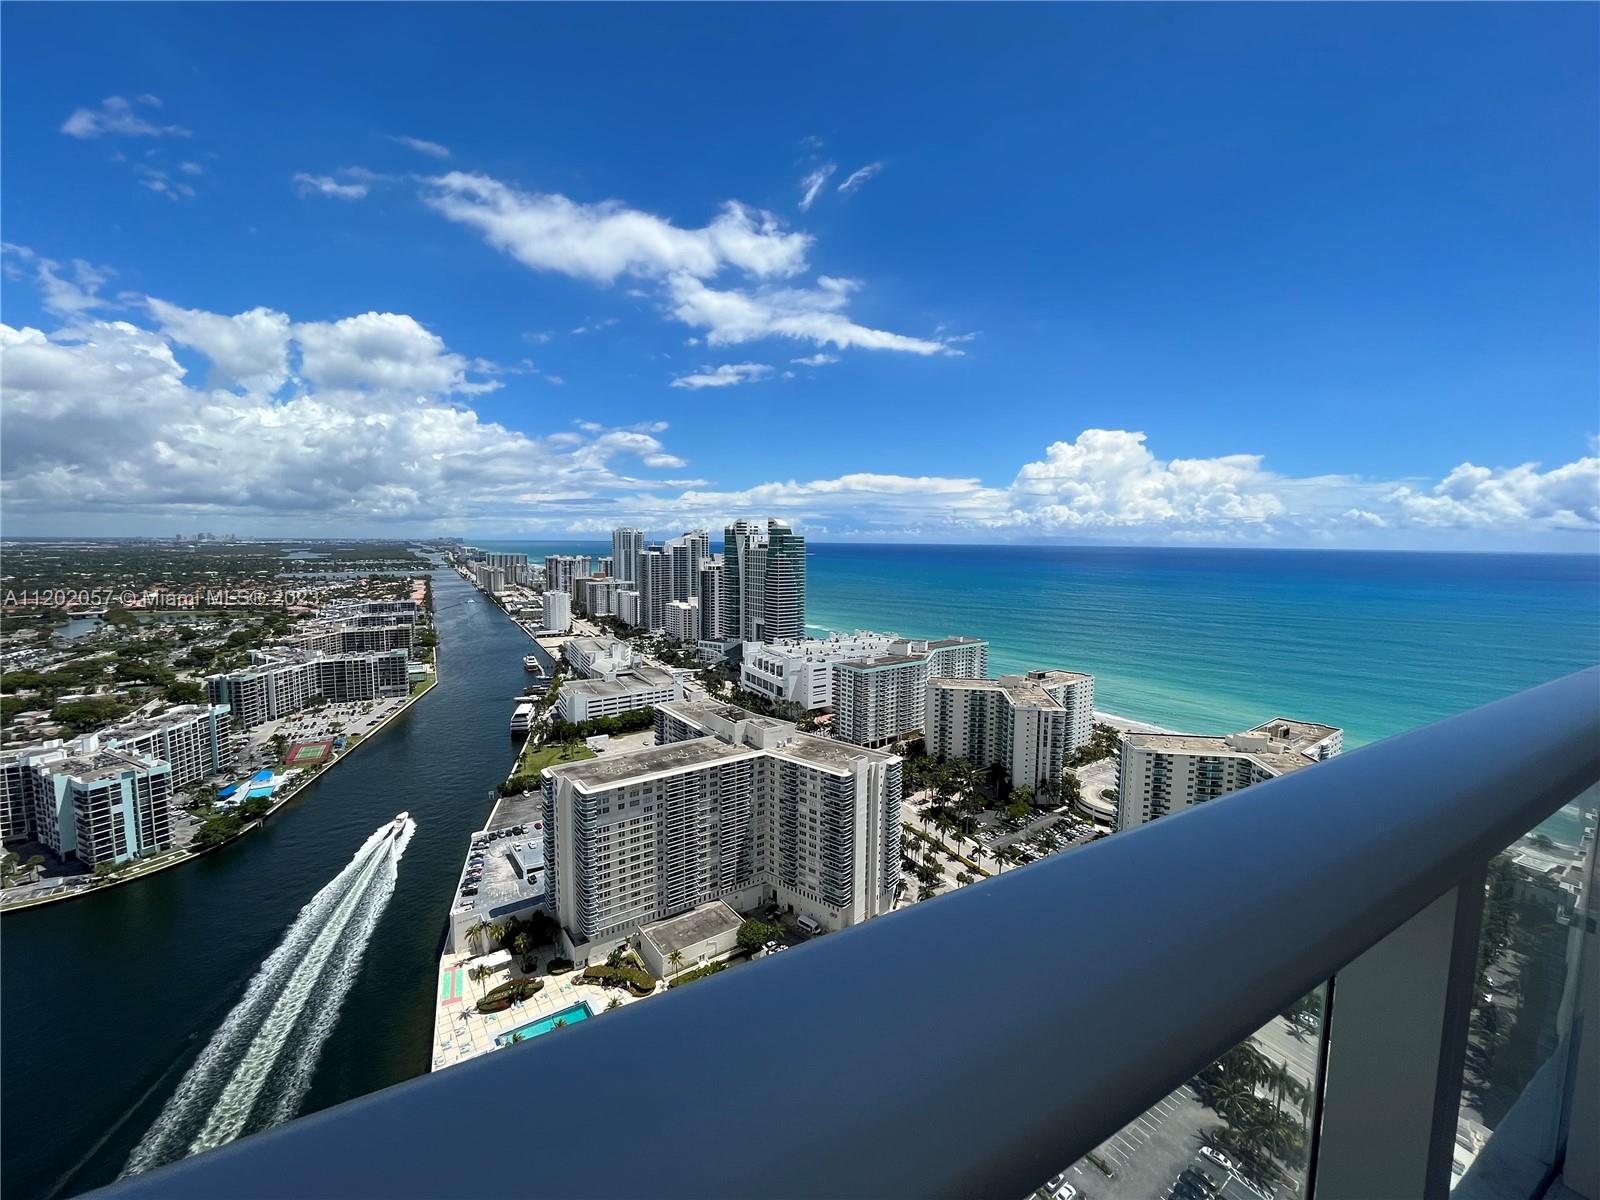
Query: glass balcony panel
[[1518, 1076], [1239, 1130]]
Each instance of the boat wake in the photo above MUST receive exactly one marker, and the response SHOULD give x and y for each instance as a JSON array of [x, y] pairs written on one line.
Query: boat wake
[[258, 1065]]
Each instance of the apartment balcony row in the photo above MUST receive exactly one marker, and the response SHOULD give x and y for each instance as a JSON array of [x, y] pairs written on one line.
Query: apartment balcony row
[[1355, 982]]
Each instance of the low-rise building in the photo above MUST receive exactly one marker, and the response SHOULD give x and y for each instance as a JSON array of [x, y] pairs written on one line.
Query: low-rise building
[[801, 671], [595, 657], [690, 939], [616, 693], [1163, 773], [1029, 724]]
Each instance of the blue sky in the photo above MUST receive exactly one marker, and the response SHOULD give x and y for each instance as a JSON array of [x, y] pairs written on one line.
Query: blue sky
[[1299, 275]]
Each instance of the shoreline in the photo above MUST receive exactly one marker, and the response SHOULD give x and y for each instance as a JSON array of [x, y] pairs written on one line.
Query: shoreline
[[187, 856]]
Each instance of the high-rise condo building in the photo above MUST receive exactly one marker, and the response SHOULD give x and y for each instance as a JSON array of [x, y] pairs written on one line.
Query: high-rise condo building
[[655, 587], [93, 802], [562, 571], [727, 806], [1027, 724], [879, 701], [764, 582], [713, 625], [1162, 773], [686, 553], [626, 547], [557, 612], [280, 681]]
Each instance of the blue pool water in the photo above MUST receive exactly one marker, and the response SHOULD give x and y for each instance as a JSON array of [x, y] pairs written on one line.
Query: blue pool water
[[571, 1014]]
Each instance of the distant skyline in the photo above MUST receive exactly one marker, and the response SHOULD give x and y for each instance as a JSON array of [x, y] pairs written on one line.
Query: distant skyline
[[1266, 275]]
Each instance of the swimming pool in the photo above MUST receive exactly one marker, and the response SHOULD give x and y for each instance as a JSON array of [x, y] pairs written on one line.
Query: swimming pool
[[572, 1013]]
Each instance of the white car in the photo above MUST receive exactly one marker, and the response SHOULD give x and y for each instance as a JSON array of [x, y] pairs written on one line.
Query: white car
[[1216, 1156]]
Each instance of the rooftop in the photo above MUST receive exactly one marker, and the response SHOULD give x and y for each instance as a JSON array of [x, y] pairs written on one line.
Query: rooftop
[[633, 679], [607, 771], [97, 764], [1276, 756], [1026, 689], [690, 928]]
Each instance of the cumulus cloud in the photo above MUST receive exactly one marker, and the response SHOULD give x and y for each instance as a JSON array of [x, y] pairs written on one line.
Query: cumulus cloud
[[326, 185], [1474, 497], [250, 350], [102, 420], [116, 116], [726, 375], [811, 185], [859, 176], [422, 146]]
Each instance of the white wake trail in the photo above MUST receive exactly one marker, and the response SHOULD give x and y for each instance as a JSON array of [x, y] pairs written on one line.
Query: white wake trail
[[292, 1003]]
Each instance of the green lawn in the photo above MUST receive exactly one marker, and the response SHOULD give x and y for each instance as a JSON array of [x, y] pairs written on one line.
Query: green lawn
[[537, 758]]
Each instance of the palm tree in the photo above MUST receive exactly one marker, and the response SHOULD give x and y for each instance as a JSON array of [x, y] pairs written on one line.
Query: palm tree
[[612, 1003], [497, 931], [559, 1023], [675, 960], [477, 929], [521, 943]]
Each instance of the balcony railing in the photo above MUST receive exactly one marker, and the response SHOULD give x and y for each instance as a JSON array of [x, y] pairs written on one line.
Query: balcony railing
[[976, 1044]]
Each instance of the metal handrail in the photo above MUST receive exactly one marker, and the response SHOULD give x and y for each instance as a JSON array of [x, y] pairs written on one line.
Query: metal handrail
[[974, 1044]]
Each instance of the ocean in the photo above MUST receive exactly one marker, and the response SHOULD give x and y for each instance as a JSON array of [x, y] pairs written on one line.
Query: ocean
[[1214, 641]]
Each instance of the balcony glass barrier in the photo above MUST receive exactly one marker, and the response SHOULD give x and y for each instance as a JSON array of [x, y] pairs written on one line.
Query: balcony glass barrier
[[1527, 997]]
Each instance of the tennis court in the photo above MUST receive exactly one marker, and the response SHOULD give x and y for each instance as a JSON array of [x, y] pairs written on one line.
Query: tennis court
[[307, 754]]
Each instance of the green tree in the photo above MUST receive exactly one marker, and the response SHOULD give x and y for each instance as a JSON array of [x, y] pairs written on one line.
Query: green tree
[[754, 934], [185, 691], [675, 961]]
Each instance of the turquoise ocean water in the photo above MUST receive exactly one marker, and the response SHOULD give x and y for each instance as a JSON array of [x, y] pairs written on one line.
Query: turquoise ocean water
[[1214, 641]]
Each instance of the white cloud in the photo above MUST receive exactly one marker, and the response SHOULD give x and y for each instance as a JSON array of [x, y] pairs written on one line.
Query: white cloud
[[59, 294], [819, 359], [811, 185], [726, 375], [604, 242], [103, 424], [326, 185], [162, 183], [422, 146], [250, 350], [116, 116], [859, 176], [733, 316], [191, 168], [1474, 497], [384, 351], [601, 242], [596, 326]]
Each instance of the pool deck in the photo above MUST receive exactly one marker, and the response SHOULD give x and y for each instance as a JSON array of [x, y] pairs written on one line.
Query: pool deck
[[461, 1032]]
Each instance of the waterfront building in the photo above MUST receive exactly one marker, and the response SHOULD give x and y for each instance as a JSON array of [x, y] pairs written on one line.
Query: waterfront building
[[727, 806], [800, 671], [626, 546], [606, 565], [354, 636], [682, 620], [764, 582], [510, 876], [102, 805], [356, 611], [594, 657], [557, 612], [1162, 773], [282, 680], [490, 578], [1029, 724], [192, 739], [617, 692]]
